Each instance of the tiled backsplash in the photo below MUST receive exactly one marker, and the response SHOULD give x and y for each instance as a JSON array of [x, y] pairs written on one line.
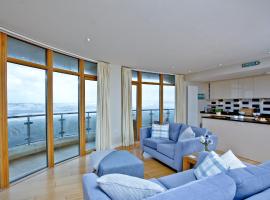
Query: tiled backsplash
[[234, 105]]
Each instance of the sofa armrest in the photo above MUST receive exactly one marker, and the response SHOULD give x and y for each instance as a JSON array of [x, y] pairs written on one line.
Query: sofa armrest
[[193, 145], [91, 190], [190, 146], [144, 133]]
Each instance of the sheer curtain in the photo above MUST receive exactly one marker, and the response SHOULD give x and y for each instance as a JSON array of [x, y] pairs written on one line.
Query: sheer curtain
[[127, 121], [103, 134], [180, 99]]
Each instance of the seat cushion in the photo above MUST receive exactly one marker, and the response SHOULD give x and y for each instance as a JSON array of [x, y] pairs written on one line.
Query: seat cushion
[[174, 131], [153, 142], [250, 180], [166, 149]]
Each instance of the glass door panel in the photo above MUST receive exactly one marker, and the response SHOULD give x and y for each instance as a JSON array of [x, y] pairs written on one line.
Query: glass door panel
[[168, 103], [27, 144], [134, 111], [66, 118], [90, 113], [150, 104]]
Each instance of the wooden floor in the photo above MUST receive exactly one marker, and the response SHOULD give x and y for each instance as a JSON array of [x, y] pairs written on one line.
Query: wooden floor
[[64, 182]]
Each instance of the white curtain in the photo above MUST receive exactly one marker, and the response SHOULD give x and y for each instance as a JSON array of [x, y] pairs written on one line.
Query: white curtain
[[180, 99], [127, 121], [103, 133]]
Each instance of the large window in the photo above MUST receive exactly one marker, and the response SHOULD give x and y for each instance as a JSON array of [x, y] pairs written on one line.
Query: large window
[[66, 118], [26, 120], [156, 96], [49, 108], [90, 113]]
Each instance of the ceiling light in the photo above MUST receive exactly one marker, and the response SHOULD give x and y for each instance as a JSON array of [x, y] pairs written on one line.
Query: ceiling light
[[88, 39], [220, 65]]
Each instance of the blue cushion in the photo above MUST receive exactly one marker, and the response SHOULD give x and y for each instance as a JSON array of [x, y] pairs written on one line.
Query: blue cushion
[[121, 162], [178, 179], [250, 180], [261, 196], [153, 142], [154, 180], [219, 187], [166, 149], [174, 131]]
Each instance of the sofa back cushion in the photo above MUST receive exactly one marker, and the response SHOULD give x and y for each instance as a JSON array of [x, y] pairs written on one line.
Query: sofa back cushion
[[174, 131], [212, 188], [160, 131], [250, 180], [188, 133]]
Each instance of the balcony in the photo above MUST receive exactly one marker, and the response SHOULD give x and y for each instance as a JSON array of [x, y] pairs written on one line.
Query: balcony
[[27, 137]]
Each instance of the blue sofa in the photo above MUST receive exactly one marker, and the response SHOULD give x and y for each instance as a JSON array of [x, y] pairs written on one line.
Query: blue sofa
[[171, 151], [250, 183]]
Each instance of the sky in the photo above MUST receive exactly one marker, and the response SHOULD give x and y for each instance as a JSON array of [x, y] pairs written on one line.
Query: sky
[[28, 85]]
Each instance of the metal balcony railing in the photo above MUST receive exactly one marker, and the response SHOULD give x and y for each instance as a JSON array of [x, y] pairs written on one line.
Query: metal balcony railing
[[27, 129]]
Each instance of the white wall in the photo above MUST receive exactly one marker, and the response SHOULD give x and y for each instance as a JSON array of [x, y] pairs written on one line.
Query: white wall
[[115, 101]]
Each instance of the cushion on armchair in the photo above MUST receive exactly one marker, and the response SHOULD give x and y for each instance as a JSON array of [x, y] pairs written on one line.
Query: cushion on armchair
[[166, 149], [153, 142], [174, 131], [160, 131], [187, 134]]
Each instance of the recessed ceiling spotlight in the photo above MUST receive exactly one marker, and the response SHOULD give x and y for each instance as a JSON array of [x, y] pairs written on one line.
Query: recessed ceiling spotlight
[[88, 39], [220, 65]]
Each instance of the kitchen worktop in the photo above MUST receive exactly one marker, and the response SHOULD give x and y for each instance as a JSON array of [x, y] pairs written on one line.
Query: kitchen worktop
[[234, 118]]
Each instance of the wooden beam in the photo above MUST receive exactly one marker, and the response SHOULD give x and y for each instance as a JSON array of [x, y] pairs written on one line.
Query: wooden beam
[[161, 99], [139, 104], [82, 109], [4, 162], [50, 131]]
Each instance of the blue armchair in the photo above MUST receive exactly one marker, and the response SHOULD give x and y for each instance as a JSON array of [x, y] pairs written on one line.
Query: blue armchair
[[171, 151]]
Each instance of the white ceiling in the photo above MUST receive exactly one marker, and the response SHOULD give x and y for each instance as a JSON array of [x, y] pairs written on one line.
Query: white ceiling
[[172, 36]]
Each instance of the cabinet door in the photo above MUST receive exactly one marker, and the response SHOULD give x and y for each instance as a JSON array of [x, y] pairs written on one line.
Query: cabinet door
[[262, 87], [233, 88], [246, 88], [219, 90]]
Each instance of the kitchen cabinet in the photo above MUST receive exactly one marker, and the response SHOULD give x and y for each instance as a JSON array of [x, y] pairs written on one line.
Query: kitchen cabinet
[[246, 88], [262, 86], [224, 89]]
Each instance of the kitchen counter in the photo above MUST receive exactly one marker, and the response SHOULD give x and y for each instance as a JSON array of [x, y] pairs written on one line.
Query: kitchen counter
[[231, 118], [245, 137]]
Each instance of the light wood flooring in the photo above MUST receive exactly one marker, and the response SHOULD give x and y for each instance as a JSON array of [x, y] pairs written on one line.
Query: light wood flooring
[[64, 182]]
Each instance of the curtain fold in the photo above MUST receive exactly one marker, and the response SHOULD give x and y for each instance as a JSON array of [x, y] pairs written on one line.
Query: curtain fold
[[180, 99], [127, 120], [103, 133]]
